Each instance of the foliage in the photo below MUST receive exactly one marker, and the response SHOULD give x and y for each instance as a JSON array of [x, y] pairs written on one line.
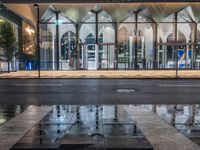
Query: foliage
[[8, 40], [29, 44]]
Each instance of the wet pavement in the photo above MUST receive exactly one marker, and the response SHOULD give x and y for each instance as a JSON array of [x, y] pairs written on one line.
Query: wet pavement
[[160, 134], [13, 130], [185, 118], [84, 128], [100, 127], [8, 112]]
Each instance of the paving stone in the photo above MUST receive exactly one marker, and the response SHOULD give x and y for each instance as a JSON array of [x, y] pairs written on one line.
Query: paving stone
[[161, 135], [105, 74], [16, 128]]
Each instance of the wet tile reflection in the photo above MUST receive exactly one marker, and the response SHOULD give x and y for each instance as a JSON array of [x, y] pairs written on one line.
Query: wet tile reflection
[[85, 127], [7, 112], [185, 118]]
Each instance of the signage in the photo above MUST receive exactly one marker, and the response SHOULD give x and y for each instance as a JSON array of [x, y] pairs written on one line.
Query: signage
[[181, 58], [184, 60]]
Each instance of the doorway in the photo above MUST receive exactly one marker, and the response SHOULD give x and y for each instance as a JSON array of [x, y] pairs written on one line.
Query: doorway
[[89, 57], [98, 56], [107, 56]]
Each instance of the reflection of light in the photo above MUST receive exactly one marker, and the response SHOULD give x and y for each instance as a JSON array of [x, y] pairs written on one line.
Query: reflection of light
[[1, 20], [29, 30], [59, 21], [90, 13], [2, 120]]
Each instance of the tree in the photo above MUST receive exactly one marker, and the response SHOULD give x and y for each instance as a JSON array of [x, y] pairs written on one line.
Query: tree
[[8, 40], [27, 45]]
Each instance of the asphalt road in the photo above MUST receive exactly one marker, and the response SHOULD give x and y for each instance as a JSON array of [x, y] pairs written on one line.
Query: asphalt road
[[98, 91]]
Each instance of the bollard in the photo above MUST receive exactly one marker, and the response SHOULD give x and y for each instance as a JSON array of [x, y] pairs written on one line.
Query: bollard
[[134, 129], [116, 113], [78, 115]]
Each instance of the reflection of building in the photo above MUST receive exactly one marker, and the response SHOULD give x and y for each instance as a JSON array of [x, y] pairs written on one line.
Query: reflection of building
[[115, 35]]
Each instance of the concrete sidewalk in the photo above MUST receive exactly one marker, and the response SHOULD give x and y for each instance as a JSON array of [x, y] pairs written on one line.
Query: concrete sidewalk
[[106, 74]]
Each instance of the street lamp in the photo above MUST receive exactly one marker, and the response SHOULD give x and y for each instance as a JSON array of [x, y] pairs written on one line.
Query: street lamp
[[36, 6]]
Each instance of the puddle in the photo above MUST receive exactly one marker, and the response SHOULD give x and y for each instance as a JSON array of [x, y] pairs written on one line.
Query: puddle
[[8, 112], [185, 118], [85, 128], [100, 127]]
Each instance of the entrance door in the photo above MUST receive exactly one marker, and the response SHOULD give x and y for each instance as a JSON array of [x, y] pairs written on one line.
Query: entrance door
[[107, 56], [90, 56]]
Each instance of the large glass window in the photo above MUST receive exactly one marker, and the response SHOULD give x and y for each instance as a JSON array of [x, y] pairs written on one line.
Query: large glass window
[[126, 43], [87, 34]]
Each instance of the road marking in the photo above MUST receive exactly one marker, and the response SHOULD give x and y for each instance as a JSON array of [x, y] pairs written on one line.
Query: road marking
[[38, 85], [178, 85], [125, 90]]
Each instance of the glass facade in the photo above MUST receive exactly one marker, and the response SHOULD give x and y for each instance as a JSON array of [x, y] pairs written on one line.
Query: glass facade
[[16, 22], [132, 36]]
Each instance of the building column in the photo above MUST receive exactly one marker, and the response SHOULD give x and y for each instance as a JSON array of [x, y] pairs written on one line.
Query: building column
[[97, 42], [57, 41], [136, 36], [96, 29], [36, 6], [155, 63], [77, 47], [175, 39], [195, 45], [116, 46], [176, 27]]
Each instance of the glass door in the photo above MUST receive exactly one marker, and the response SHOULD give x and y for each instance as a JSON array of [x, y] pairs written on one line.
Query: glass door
[[89, 56], [107, 56]]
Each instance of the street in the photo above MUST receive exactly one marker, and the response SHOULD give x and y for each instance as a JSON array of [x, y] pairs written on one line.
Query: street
[[98, 91]]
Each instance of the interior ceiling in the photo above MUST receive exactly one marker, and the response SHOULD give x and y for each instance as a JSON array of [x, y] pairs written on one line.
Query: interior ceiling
[[196, 12], [118, 11], [24, 10], [158, 12], [75, 11]]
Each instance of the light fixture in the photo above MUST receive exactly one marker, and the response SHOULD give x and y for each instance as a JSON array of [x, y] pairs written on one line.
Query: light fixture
[[29, 30], [36, 6], [1, 20], [59, 21]]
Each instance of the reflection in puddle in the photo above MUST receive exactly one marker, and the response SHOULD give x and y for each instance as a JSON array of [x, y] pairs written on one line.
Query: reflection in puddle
[[85, 127], [8, 112], [185, 118], [100, 126]]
